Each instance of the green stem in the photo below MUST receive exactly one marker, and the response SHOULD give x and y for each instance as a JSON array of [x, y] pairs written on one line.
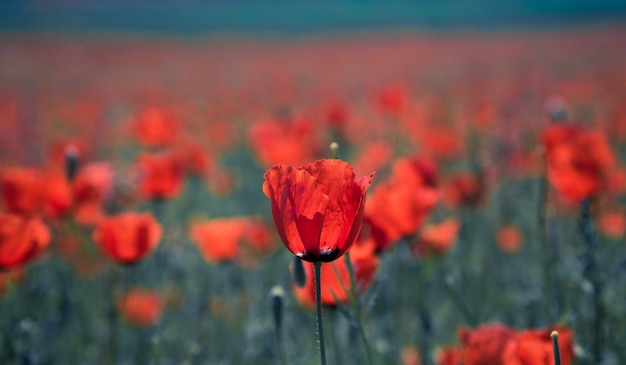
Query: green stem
[[318, 306], [555, 346], [357, 310], [460, 303]]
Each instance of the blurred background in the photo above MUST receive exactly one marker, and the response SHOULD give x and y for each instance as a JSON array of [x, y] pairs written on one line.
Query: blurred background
[[134, 138]]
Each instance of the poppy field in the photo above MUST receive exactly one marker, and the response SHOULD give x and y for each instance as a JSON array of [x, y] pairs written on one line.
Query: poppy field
[[171, 200]]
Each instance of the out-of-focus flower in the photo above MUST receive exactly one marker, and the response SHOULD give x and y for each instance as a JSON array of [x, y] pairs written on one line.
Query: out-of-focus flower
[[57, 195], [578, 161], [231, 239], [335, 278], [21, 239], [21, 189], [534, 347], [612, 223], [156, 127], [399, 205], [160, 175], [393, 99], [283, 142], [437, 239], [450, 355], [128, 237], [10, 277], [141, 307], [317, 208], [463, 189], [485, 344], [411, 356], [91, 186], [509, 238]]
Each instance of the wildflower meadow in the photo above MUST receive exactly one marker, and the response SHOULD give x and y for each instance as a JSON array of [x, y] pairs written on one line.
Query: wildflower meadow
[[396, 197]]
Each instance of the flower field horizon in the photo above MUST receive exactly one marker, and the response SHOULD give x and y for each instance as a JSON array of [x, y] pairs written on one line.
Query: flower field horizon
[[157, 195]]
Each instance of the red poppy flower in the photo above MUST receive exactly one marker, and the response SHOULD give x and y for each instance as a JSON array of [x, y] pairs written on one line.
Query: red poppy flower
[[449, 356], [534, 347], [141, 307], [91, 186], [336, 278], [128, 237], [463, 189], [411, 356], [290, 142], [21, 239], [509, 238], [578, 161], [57, 195], [318, 208], [156, 127], [398, 206], [161, 175], [21, 189], [231, 239], [485, 344], [437, 239]]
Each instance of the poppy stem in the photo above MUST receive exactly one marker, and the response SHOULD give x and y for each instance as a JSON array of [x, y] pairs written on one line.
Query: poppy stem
[[592, 274], [469, 316], [555, 346], [318, 306]]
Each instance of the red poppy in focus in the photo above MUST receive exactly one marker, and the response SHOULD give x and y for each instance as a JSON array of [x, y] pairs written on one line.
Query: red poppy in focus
[[398, 206], [485, 344], [534, 347], [449, 356], [437, 239], [141, 307], [161, 175], [317, 208], [509, 238], [128, 237], [21, 239], [21, 189], [156, 127], [336, 278], [578, 161]]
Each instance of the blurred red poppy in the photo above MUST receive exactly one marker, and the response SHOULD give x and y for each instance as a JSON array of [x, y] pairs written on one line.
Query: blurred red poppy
[[21, 189], [411, 356], [485, 344], [92, 185], [463, 190], [578, 161], [128, 237], [509, 238], [21, 239], [231, 239], [141, 307], [451, 355], [534, 347], [161, 175], [438, 238], [336, 278], [399, 205], [57, 195], [156, 127], [289, 142], [317, 208]]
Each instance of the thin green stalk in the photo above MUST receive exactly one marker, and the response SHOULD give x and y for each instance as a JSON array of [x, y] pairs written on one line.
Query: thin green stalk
[[542, 233], [357, 310], [469, 316], [318, 306]]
